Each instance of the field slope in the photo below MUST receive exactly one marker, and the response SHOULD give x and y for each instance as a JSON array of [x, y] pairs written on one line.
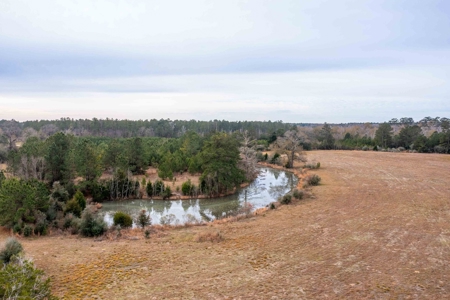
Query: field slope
[[378, 228]]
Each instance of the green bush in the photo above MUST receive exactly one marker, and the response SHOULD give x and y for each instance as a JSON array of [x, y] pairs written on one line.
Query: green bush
[[90, 225], [41, 225], [79, 197], [41, 228], [286, 199], [59, 193], [21, 280], [275, 158], [187, 188], [73, 207], [17, 228], [122, 219], [164, 171], [99, 190], [27, 231], [71, 223], [143, 219], [51, 213], [167, 193], [149, 189], [158, 188], [12, 248]]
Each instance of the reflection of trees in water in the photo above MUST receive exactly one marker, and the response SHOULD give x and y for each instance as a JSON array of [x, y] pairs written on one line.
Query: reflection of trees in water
[[147, 206], [231, 207], [274, 172], [205, 208], [276, 191], [291, 181], [204, 216], [160, 206], [285, 184], [186, 204], [167, 205], [218, 208]]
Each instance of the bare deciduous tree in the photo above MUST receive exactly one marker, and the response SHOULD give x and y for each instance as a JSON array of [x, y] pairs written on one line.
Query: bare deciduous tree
[[445, 126], [48, 130], [248, 156], [11, 131], [30, 167], [28, 133], [289, 144]]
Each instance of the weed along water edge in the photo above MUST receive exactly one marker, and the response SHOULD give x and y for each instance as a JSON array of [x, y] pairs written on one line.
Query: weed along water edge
[[266, 188]]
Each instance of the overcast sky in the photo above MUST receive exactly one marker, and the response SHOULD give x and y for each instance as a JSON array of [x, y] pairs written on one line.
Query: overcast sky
[[295, 61]]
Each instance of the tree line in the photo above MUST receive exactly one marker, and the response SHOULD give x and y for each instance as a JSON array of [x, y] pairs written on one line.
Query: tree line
[[429, 135], [142, 128]]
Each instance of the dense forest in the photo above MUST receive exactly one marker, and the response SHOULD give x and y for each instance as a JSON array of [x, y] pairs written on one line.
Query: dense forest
[[144, 128], [53, 166]]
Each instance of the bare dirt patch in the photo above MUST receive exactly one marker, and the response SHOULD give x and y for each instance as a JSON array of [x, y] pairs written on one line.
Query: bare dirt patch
[[377, 228]]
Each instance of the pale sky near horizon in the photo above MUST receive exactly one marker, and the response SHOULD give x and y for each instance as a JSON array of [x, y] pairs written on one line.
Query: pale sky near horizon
[[295, 61]]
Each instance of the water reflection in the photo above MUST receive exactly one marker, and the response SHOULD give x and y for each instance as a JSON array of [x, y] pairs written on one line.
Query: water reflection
[[269, 185]]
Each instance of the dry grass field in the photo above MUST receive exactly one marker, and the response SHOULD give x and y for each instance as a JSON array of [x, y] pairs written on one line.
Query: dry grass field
[[378, 227]]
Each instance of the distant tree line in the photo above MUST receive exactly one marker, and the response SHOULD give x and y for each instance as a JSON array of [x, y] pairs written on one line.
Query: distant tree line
[[141, 128], [429, 135]]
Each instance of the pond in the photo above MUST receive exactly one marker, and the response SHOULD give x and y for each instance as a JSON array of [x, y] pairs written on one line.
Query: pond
[[266, 188]]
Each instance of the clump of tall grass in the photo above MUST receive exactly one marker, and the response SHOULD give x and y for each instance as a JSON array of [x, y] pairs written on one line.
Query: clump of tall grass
[[312, 165], [209, 236], [312, 179], [298, 194], [286, 199]]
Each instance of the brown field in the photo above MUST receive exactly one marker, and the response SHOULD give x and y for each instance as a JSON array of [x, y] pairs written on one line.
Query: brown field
[[378, 227]]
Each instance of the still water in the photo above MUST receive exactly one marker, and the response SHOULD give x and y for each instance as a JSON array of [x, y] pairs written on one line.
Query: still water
[[266, 188]]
